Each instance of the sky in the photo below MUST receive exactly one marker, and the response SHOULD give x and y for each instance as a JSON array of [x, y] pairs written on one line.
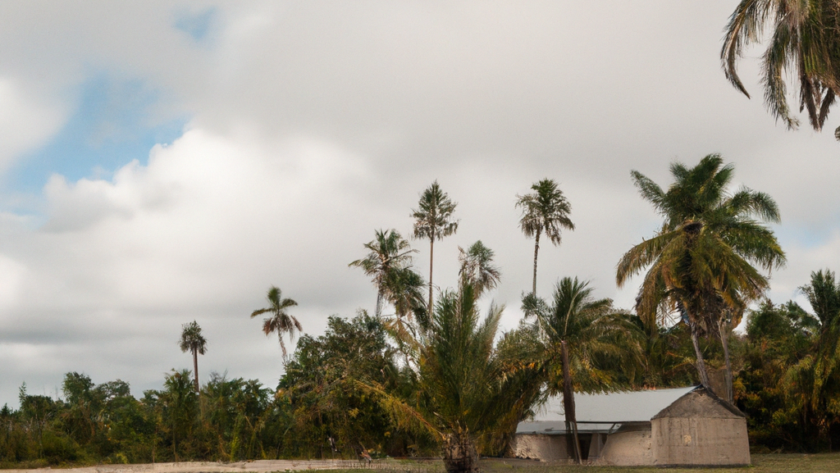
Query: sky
[[164, 162]]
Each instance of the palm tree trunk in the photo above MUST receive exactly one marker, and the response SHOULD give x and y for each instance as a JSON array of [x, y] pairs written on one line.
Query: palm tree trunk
[[379, 302], [195, 368], [431, 267], [460, 454], [724, 338], [569, 403], [701, 365], [536, 251]]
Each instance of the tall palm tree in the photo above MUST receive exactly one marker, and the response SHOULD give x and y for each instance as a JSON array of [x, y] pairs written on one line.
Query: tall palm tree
[[586, 338], [464, 390], [545, 210], [824, 296], [404, 290], [477, 266], [805, 43], [388, 252], [433, 220], [195, 343], [280, 321], [700, 262]]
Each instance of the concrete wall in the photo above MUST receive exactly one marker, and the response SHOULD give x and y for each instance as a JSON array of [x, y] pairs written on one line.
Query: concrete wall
[[540, 447], [700, 441], [629, 446]]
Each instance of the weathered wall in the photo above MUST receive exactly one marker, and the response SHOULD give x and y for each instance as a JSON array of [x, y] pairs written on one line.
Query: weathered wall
[[540, 447], [629, 446], [700, 441]]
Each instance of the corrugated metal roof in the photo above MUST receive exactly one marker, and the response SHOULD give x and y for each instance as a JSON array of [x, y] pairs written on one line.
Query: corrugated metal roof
[[621, 407]]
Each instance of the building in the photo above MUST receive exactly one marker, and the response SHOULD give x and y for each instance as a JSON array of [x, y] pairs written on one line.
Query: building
[[666, 427]]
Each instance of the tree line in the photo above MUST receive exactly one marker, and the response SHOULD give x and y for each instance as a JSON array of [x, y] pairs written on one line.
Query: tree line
[[429, 374]]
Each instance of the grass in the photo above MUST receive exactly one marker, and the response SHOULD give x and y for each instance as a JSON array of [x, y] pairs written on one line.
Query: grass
[[763, 463]]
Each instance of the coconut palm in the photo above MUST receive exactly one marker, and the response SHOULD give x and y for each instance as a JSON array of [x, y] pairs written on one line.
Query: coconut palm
[[545, 210], [463, 389], [477, 266], [805, 44], [404, 290], [700, 262], [388, 252], [824, 296], [195, 343], [586, 339], [280, 321], [433, 220]]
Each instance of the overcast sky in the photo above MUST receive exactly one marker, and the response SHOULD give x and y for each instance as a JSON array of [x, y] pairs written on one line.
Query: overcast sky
[[163, 162]]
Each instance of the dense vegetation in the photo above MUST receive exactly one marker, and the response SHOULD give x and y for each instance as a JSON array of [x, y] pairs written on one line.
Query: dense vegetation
[[431, 376]]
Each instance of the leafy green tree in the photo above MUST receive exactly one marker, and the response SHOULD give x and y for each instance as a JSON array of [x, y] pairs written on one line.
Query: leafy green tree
[[433, 220], [700, 263], [545, 210], [281, 321], [586, 339], [464, 391], [805, 43], [477, 266], [193, 341], [179, 403], [389, 252]]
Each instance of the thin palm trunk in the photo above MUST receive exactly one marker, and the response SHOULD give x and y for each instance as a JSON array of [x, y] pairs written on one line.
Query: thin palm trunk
[[701, 365], [569, 403], [536, 251], [195, 368], [379, 301], [724, 338], [431, 267]]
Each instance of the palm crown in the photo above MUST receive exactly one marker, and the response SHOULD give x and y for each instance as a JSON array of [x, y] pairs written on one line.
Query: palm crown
[[804, 38], [280, 321], [389, 252], [477, 267]]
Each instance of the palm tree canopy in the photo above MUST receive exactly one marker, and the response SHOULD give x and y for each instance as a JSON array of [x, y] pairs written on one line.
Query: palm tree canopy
[[708, 243], [280, 321], [545, 210], [433, 219], [477, 266], [599, 338], [389, 250], [192, 340], [805, 43]]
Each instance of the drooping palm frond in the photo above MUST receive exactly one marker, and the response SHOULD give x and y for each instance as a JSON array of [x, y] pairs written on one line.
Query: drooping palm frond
[[477, 266], [389, 253]]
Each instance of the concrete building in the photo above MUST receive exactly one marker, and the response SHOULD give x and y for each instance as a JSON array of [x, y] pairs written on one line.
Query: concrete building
[[666, 427]]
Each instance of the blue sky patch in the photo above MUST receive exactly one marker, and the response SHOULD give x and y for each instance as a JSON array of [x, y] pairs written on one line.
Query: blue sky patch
[[197, 25], [112, 125]]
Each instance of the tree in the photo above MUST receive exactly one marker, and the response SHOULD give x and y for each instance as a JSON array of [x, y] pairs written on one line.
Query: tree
[[700, 262], [280, 321], [195, 343], [545, 210], [805, 43], [477, 266], [586, 339], [463, 389], [433, 220], [389, 252]]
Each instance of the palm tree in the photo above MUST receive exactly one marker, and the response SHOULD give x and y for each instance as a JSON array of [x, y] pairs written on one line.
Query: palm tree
[[545, 210], [805, 43], [477, 266], [464, 390], [280, 321], [433, 220], [388, 252], [194, 342], [824, 296], [587, 339], [404, 290], [700, 262]]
